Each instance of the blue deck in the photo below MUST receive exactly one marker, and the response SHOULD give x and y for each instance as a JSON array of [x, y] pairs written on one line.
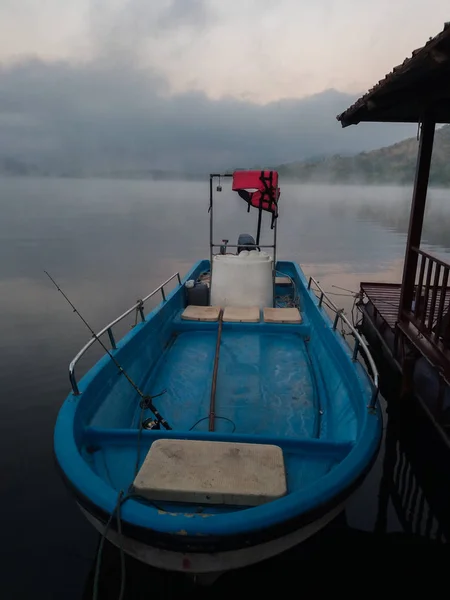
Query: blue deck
[[290, 385], [264, 383]]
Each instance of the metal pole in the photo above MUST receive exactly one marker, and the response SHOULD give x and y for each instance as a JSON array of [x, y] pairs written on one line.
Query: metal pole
[[417, 213], [275, 251], [258, 231], [336, 321], [355, 351], [211, 233], [211, 220], [111, 338], [275, 238], [141, 310], [247, 245]]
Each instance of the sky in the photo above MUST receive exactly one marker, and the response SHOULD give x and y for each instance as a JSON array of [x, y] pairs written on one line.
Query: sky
[[127, 78]]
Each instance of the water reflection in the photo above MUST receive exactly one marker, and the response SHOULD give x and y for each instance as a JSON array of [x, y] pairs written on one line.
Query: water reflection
[[394, 215], [107, 244], [412, 518], [412, 466]]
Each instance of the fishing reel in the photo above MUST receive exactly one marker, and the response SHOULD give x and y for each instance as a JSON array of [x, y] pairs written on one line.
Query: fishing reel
[[150, 424], [146, 402]]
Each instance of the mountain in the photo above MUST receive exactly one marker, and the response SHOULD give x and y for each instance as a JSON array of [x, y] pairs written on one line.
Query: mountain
[[96, 118], [392, 164]]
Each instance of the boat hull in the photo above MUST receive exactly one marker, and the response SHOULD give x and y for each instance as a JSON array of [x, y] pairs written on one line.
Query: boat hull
[[220, 559], [212, 562], [293, 385]]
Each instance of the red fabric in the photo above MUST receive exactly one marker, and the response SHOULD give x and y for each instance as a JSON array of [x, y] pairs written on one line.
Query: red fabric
[[266, 203], [266, 186], [244, 180]]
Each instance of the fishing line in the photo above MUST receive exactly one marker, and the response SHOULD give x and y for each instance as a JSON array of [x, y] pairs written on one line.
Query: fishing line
[[146, 400]]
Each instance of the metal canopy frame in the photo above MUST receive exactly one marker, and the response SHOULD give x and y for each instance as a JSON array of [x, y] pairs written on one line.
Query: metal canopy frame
[[213, 244]]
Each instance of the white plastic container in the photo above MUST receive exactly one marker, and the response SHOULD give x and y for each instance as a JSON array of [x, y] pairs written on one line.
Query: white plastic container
[[242, 280]]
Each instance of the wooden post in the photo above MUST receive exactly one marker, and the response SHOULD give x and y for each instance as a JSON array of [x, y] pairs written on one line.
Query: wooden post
[[417, 213]]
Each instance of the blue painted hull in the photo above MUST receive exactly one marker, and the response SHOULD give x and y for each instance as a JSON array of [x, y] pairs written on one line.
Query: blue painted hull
[[292, 385]]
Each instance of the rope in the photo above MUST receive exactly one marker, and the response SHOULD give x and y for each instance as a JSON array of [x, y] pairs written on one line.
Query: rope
[[295, 300], [286, 301], [120, 500], [334, 311], [216, 417], [123, 573], [338, 294], [212, 403]]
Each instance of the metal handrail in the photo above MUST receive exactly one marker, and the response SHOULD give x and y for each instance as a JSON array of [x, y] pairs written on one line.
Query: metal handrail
[[138, 307], [257, 246], [359, 342]]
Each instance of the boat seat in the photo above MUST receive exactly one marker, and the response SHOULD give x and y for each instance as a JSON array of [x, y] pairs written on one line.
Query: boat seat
[[201, 313], [240, 314], [282, 315], [209, 472], [283, 280]]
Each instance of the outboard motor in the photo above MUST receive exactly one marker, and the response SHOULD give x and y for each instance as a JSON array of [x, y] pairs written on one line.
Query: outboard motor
[[244, 241]]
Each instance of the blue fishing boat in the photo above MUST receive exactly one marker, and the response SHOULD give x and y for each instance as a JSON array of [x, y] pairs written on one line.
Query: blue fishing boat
[[233, 421]]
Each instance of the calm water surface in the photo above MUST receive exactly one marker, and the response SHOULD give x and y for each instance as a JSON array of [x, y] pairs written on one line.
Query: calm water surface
[[108, 243]]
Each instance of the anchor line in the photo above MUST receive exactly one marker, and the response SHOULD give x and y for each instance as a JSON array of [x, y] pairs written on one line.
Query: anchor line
[[212, 403]]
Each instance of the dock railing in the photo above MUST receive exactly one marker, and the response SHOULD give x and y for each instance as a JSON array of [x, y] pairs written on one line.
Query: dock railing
[[138, 308], [430, 307], [360, 345]]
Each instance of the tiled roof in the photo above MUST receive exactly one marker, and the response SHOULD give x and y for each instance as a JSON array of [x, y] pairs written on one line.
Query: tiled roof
[[433, 57]]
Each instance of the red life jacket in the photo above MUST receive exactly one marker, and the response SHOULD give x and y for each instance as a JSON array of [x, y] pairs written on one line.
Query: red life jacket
[[265, 184]]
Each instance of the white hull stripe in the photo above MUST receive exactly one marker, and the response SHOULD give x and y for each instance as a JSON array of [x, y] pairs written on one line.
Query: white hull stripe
[[197, 562]]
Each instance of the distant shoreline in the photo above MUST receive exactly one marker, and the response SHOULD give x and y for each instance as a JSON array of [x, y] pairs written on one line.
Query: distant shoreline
[[199, 178]]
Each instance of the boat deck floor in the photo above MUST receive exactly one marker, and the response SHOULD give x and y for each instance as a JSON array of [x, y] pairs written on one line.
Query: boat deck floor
[[264, 383]]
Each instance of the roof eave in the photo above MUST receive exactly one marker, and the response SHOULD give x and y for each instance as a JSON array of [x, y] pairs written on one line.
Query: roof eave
[[436, 50]]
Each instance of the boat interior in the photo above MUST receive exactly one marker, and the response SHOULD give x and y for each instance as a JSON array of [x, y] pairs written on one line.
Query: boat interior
[[281, 381]]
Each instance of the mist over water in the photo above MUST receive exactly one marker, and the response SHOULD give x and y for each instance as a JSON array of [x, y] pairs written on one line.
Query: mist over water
[[108, 243]]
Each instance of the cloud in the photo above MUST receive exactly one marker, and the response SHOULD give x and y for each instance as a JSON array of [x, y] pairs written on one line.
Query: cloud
[[258, 49], [100, 116], [140, 32]]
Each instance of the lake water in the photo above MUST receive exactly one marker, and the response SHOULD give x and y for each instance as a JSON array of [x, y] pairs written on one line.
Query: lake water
[[108, 243]]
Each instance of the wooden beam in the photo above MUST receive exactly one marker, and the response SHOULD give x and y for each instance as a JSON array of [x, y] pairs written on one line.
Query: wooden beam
[[417, 213]]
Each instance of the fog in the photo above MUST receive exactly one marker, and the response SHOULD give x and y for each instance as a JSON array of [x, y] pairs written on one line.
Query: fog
[[106, 116]]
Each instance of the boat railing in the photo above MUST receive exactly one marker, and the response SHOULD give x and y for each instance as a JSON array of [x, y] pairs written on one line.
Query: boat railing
[[360, 345], [138, 308]]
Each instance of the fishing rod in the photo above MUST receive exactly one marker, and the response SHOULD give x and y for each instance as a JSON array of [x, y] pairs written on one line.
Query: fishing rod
[[345, 289], [146, 401]]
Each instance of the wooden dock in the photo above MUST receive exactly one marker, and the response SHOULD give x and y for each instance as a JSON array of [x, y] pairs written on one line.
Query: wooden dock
[[408, 325], [416, 345], [385, 298], [429, 312]]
